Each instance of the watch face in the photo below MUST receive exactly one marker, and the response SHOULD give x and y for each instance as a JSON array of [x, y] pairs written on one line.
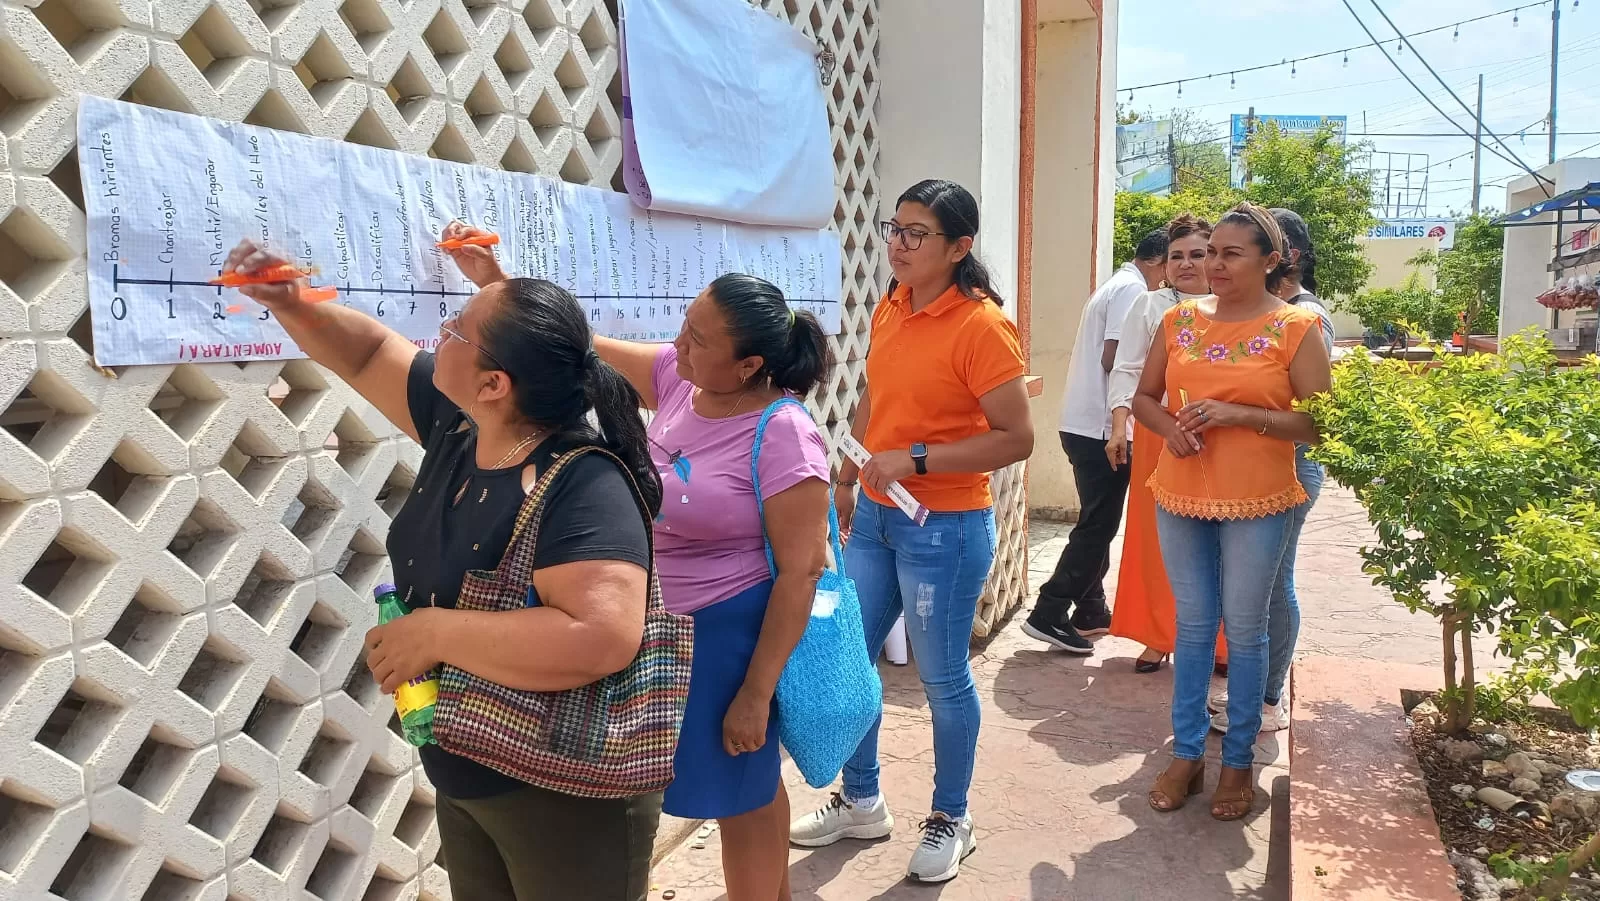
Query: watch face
[[919, 450]]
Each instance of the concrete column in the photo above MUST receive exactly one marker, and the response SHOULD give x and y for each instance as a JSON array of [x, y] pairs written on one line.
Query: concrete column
[[948, 106], [1072, 192]]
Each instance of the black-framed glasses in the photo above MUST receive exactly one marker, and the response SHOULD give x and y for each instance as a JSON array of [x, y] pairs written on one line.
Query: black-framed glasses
[[448, 332], [910, 236]]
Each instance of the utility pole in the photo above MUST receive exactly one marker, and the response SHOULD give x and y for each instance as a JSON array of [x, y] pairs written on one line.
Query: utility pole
[[1172, 163], [1555, 56], [1249, 132], [1477, 153]]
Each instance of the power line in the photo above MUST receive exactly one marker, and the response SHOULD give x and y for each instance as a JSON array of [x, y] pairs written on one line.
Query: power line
[[1405, 41], [1345, 50], [1418, 89]]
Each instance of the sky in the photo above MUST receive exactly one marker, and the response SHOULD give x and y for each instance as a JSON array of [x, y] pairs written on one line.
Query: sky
[[1162, 40]]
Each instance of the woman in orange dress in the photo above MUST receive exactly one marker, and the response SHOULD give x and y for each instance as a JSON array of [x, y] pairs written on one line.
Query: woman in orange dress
[[1144, 610], [1220, 387]]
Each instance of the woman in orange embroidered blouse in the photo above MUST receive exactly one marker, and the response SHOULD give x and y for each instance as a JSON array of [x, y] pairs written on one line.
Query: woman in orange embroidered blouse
[[1231, 367]]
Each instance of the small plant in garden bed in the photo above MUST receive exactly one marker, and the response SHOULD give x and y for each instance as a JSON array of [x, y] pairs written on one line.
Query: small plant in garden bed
[[1513, 852]]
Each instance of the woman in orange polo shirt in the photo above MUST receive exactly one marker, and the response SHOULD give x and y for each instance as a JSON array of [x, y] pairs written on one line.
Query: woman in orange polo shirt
[[1219, 388], [945, 405]]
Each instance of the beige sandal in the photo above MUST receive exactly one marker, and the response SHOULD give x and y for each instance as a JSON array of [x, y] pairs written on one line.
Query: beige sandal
[[1230, 803], [1172, 792]]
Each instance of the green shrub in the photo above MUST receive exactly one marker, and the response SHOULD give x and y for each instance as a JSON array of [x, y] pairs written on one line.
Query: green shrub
[[1479, 474]]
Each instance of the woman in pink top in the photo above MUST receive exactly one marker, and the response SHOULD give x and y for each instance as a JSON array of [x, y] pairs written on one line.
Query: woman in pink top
[[741, 349]]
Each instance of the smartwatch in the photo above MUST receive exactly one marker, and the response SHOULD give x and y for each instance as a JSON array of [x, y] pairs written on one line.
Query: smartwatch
[[919, 456]]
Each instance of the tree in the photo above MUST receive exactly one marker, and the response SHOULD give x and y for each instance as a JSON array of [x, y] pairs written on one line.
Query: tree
[[1139, 214], [1394, 311], [1469, 273], [1317, 178], [1478, 475], [1200, 162]]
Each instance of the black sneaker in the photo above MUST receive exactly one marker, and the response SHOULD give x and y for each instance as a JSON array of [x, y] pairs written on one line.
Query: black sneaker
[[1091, 622], [1062, 637]]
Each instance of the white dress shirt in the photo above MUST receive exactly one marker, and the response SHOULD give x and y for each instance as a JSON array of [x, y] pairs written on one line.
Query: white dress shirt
[[1083, 409]]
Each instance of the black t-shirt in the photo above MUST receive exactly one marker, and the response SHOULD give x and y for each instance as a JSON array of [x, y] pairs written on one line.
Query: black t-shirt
[[459, 517]]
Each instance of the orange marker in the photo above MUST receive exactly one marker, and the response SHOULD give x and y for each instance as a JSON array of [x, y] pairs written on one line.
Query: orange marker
[[471, 241], [309, 295], [267, 276]]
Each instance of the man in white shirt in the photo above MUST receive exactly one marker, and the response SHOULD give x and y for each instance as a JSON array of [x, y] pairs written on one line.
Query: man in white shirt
[[1079, 580]]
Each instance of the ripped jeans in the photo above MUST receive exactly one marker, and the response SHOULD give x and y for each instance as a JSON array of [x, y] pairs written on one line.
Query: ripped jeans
[[935, 574]]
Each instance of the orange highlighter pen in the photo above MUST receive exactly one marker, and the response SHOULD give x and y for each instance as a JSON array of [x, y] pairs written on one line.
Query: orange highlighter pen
[[273, 275], [472, 241]]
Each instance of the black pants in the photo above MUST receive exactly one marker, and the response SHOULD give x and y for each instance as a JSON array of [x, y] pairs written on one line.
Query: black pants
[[536, 845], [1080, 573]]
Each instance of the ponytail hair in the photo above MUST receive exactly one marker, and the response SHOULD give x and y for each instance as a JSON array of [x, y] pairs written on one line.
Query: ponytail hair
[[1297, 236], [538, 336], [791, 344], [957, 212]]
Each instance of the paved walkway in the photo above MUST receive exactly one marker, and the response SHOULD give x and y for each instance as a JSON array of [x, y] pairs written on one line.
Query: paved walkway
[[1069, 748]]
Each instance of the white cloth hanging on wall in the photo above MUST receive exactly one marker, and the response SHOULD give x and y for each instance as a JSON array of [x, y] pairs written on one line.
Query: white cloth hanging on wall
[[724, 114]]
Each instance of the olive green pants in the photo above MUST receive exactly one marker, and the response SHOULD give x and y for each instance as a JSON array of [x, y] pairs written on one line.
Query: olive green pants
[[538, 845]]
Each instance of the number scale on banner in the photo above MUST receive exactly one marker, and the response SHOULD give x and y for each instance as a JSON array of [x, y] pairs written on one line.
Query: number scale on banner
[[169, 194]]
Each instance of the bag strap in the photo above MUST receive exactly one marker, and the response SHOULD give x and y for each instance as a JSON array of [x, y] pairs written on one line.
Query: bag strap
[[532, 510], [761, 506]]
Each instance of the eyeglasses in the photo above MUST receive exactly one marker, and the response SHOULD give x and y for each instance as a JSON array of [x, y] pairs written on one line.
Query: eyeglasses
[[910, 236], [448, 332]]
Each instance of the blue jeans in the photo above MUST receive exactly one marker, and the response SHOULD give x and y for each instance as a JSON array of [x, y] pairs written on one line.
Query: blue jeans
[[1283, 615], [935, 575], [1220, 569]]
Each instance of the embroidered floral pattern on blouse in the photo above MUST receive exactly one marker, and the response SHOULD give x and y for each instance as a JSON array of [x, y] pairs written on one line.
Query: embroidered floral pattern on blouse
[[1189, 335]]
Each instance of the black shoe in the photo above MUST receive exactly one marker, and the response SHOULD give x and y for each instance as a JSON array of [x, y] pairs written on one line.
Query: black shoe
[[1062, 637], [1091, 622]]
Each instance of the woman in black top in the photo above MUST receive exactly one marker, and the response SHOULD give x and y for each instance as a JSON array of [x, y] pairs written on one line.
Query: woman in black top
[[508, 390]]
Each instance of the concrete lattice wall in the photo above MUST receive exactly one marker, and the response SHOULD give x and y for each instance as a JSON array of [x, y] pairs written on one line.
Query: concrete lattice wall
[[187, 553]]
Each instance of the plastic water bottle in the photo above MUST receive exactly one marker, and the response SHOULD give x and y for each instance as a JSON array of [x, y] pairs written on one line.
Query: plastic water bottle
[[415, 698]]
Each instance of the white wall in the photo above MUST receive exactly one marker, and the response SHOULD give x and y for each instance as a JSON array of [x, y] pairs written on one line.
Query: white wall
[[945, 111], [1529, 249], [1066, 252]]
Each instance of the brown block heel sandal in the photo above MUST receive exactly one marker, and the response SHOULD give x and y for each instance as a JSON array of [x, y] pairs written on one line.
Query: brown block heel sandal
[[1230, 803], [1172, 792]]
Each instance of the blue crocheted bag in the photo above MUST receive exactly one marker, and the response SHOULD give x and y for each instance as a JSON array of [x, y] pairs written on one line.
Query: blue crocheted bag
[[829, 694]]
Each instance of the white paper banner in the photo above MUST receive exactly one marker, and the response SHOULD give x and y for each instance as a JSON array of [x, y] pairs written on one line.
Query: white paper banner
[[168, 194], [723, 114]]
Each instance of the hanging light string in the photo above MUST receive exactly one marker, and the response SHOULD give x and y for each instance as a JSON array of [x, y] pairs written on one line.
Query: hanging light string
[[1345, 52]]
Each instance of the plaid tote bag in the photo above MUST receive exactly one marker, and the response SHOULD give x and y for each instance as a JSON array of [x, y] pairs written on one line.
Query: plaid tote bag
[[614, 738]]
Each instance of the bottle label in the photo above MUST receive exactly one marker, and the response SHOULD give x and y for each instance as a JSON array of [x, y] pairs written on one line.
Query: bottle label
[[417, 694]]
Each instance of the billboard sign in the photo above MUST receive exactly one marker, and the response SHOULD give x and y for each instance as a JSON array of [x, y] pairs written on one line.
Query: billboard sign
[[1441, 230], [1143, 164], [1299, 126]]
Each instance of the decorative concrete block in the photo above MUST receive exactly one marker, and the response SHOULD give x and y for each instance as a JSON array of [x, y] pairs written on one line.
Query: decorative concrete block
[[187, 553]]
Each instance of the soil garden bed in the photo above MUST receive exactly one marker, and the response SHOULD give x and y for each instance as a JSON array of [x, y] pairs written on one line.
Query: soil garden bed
[[1529, 758]]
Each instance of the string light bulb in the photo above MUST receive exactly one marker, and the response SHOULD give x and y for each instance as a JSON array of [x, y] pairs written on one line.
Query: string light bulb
[[1516, 19], [1292, 70], [1347, 59], [1400, 48], [1457, 36], [1232, 82], [1180, 89]]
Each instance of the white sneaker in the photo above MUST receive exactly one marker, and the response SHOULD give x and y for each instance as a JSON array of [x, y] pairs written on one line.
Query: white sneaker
[[1274, 717], [945, 843], [839, 819], [1218, 702]]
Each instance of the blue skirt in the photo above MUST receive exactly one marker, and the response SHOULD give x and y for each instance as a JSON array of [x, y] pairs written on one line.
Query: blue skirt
[[708, 783]]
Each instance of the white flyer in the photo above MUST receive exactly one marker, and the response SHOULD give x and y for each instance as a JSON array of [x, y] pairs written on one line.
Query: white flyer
[[169, 194], [723, 113], [902, 498]]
